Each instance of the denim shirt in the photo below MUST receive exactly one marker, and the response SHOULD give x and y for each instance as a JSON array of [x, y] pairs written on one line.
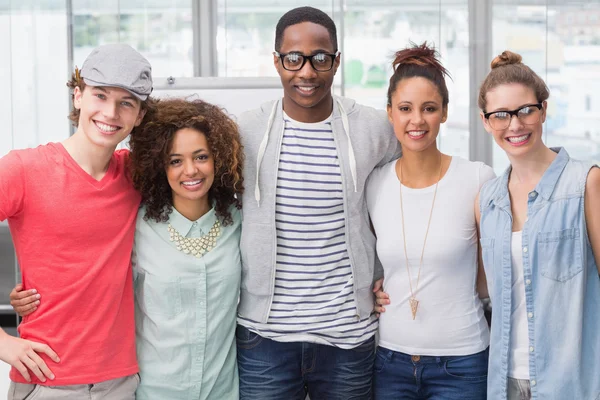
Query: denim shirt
[[562, 286]]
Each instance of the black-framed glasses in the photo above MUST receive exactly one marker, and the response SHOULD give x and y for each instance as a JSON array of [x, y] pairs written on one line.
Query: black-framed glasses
[[528, 115], [321, 62]]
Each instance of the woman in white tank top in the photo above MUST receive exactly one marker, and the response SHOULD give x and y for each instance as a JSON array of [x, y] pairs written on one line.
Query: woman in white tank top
[[433, 333]]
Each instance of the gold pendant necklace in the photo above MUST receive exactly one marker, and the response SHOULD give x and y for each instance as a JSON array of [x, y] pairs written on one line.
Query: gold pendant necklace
[[196, 246], [414, 303]]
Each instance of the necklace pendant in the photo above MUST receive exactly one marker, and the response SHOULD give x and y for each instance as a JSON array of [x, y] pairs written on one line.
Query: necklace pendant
[[414, 305]]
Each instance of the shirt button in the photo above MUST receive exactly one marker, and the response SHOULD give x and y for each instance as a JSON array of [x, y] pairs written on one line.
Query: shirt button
[[528, 282], [532, 194], [525, 249], [530, 315], [531, 349], [533, 383]]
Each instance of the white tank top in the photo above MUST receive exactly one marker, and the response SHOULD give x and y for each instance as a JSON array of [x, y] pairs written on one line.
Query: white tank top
[[450, 318], [518, 356]]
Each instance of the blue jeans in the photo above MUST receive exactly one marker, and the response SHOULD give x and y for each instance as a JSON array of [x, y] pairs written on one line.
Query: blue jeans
[[271, 370], [402, 376]]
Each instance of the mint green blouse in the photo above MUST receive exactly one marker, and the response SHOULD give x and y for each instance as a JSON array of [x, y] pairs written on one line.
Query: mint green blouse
[[186, 310]]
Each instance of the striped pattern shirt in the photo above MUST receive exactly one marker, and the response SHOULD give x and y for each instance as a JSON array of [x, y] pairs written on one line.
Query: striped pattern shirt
[[314, 286]]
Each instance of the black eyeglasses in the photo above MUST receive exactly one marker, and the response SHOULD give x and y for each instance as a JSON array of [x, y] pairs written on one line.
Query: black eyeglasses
[[321, 62], [528, 115]]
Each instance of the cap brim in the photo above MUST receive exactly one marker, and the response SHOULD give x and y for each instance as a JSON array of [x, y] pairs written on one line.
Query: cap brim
[[142, 97]]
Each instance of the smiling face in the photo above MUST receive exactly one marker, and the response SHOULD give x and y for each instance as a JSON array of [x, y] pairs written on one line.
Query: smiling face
[[518, 138], [307, 93], [416, 112], [107, 114], [190, 169]]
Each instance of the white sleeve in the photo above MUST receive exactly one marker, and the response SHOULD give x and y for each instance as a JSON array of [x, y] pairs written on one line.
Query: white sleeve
[[486, 173], [373, 187]]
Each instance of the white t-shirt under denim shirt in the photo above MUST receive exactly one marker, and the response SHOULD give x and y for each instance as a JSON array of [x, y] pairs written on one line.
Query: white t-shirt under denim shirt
[[450, 319], [518, 358]]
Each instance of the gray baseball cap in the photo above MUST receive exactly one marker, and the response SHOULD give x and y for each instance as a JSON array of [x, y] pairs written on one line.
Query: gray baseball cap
[[118, 65]]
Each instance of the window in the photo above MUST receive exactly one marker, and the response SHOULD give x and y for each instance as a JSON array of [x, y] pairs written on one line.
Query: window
[[159, 29], [570, 65]]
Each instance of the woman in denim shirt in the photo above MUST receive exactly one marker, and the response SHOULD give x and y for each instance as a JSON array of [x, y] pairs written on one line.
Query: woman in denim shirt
[[540, 229]]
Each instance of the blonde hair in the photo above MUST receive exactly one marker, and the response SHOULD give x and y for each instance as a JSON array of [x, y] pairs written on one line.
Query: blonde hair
[[508, 68]]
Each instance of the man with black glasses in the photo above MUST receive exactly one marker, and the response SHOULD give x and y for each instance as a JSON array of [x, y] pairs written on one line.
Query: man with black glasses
[[306, 322]]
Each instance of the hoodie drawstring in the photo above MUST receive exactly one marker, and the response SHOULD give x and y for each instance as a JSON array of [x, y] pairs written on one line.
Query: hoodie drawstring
[[351, 157], [263, 146], [261, 151]]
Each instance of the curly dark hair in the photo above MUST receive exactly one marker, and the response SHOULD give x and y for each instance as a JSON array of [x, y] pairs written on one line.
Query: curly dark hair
[[77, 81], [150, 154]]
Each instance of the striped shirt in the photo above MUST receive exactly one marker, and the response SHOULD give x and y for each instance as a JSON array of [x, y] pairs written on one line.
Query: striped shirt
[[314, 286]]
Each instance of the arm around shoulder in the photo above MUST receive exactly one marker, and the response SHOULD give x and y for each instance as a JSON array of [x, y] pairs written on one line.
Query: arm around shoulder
[[486, 173], [592, 212]]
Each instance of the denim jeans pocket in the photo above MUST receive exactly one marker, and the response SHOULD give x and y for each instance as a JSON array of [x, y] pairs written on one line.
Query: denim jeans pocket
[[246, 339], [473, 367], [382, 357]]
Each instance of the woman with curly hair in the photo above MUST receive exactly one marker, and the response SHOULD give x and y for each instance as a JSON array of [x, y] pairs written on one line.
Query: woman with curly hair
[[187, 165]]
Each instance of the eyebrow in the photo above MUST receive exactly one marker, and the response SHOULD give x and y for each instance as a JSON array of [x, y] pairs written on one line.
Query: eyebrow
[[514, 109], [312, 53], [427, 102], [194, 153], [128, 97]]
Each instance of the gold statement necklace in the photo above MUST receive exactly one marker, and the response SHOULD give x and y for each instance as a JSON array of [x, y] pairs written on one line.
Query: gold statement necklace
[[196, 246], [414, 303]]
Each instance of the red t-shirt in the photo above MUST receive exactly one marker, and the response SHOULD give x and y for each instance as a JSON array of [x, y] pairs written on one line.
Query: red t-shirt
[[73, 237]]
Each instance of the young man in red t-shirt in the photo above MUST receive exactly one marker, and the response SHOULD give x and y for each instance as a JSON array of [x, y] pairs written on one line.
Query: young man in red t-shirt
[[71, 210]]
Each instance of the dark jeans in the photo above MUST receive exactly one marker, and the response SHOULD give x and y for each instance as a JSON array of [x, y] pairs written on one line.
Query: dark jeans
[[271, 370], [402, 376]]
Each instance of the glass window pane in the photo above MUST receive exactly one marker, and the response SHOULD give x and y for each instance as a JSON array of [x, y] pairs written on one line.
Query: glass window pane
[[373, 32], [159, 29], [574, 79], [37, 102], [561, 43]]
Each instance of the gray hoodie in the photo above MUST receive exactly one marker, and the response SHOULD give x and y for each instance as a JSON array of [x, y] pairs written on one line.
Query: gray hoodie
[[364, 139]]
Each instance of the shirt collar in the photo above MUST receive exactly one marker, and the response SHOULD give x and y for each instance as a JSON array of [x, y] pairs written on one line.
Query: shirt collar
[[545, 186], [184, 225]]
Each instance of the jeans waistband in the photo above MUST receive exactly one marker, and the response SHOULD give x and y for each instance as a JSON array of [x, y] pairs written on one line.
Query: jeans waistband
[[419, 359]]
